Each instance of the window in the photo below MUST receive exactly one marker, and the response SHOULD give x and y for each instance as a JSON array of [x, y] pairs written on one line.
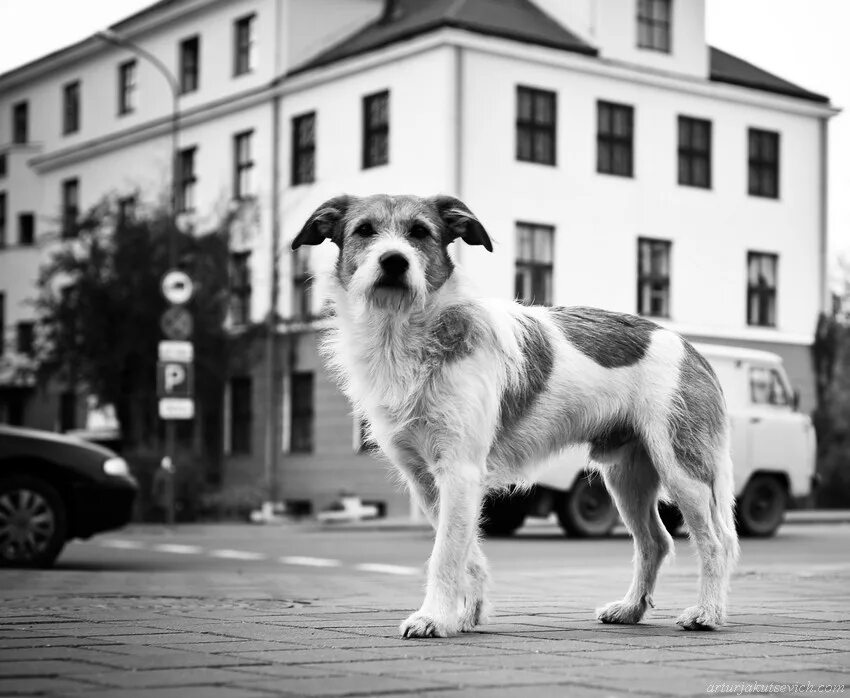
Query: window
[[2, 323], [245, 46], [71, 107], [26, 336], [240, 288], [243, 165], [653, 22], [127, 87], [190, 65], [301, 296], [768, 388], [126, 210], [26, 229], [240, 415], [67, 411], [376, 129], [615, 128], [70, 207], [3, 165], [535, 125], [186, 180], [764, 163], [653, 289], [533, 280], [20, 122], [2, 219], [694, 152], [304, 149], [761, 288], [302, 413]]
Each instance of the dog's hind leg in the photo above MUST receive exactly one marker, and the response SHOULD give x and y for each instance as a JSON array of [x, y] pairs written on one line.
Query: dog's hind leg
[[708, 512], [633, 483], [459, 502]]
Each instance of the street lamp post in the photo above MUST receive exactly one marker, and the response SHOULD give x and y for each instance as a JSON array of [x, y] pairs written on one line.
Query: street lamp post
[[115, 39]]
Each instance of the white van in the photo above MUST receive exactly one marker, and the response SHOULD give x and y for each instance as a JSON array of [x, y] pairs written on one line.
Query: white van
[[773, 449]]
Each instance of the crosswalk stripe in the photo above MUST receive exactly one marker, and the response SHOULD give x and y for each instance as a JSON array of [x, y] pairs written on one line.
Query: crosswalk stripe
[[386, 569], [178, 548], [310, 561], [122, 544], [237, 555]]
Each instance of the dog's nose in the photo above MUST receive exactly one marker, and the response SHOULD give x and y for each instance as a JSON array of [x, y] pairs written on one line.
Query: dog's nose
[[393, 263]]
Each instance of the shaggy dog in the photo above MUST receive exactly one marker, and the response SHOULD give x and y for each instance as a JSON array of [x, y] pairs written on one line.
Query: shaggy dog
[[465, 395]]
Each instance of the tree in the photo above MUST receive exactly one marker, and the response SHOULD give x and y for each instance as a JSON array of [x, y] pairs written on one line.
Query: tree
[[99, 309]]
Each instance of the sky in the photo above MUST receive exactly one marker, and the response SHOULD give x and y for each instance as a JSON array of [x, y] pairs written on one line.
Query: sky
[[800, 45]]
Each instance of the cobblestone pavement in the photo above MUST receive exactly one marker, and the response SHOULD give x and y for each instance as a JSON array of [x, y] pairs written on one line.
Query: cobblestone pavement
[[246, 630]]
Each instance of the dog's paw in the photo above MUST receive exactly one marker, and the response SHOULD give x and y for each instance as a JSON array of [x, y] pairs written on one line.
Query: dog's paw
[[700, 618], [422, 624], [474, 613], [621, 612]]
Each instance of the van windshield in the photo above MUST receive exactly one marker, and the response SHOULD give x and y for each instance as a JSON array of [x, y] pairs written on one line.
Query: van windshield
[[767, 387]]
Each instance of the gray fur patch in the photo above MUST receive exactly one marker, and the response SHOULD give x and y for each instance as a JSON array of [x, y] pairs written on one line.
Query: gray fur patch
[[699, 418], [615, 436], [455, 334], [612, 340], [538, 359]]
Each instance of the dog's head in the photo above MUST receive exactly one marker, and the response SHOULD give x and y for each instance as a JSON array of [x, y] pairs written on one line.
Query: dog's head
[[392, 249]]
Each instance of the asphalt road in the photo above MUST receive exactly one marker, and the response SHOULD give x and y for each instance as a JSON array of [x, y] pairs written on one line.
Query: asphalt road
[[307, 560]]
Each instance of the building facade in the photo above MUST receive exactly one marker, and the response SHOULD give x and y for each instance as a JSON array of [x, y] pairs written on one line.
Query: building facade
[[615, 158]]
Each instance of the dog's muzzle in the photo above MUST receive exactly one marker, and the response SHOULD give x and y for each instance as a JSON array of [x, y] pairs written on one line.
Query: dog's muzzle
[[393, 267]]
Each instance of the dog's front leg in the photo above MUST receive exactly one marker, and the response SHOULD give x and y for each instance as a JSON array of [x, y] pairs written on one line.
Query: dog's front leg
[[459, 501]]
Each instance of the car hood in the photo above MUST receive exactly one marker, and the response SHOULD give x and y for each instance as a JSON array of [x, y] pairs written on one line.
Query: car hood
[[20, 442]]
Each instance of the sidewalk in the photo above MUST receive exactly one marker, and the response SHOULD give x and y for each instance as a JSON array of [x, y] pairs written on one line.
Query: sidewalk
[[787, 627]]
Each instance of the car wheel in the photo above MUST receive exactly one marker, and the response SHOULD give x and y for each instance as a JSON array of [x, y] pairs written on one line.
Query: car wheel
[[671, 517], [503, 514], [761, 508], [587, 510], [33, 522]]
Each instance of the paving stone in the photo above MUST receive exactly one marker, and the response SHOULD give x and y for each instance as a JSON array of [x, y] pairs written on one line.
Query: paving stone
[[348, 685]]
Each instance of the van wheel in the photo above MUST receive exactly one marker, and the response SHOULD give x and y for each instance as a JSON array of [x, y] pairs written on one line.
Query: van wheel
[[33, 522], [671, 517], [587, 510], [761, 508], [502, 514]]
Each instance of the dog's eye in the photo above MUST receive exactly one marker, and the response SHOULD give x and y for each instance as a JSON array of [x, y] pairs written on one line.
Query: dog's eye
[[418, 231], [364, 230]]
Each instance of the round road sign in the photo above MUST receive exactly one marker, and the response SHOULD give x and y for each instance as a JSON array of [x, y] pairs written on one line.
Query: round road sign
[[177, 287], [176, 323]]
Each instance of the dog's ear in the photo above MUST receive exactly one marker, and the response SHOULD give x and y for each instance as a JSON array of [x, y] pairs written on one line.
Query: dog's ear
[[460, 222], [323, 223]]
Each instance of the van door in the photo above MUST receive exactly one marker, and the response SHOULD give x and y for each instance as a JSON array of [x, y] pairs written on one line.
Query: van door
[[776, 434]]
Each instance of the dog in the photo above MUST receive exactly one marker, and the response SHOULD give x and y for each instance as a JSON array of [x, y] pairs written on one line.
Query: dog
[[465, 395]]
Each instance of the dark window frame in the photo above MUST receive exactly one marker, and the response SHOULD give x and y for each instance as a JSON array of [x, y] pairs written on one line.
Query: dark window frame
[[189, 53], [302, 417], [4, 225], [4, 165], [25, 338], [187, 179], [243, 166], [241, 415], [26, 228], [537, 269], [126, 209], [20, 122], [614, 151], [652, 279], [71, 107], [70, 207], [2, 323], [655, 25], [763, 160], [303, 150], [690, 155], [127, 86], [534, 129], [376, 131], [240, 288], [244, 40], [765, 311]]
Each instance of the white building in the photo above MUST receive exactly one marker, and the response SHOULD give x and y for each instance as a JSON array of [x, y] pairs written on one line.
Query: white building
[[614, 157]]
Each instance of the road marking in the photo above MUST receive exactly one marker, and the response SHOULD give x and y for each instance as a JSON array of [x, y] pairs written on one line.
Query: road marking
[[386, 569], [310, 561], [122, 544], [178, 548], [237, 555]]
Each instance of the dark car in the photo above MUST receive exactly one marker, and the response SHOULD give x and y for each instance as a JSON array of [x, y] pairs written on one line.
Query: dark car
[[54, 488]]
